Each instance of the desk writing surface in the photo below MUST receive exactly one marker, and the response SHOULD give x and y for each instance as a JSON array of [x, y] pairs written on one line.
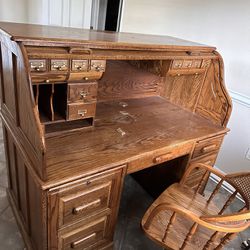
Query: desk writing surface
[[28, 32], [149, 123]]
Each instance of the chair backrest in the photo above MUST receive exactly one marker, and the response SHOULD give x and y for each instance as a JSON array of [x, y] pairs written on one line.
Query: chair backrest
[[241, 182]]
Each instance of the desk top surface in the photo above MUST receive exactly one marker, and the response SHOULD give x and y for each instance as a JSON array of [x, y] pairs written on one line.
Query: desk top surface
[[149, 124], [102, 39]]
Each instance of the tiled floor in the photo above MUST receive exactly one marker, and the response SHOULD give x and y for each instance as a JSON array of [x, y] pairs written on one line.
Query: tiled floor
[[128, 234]]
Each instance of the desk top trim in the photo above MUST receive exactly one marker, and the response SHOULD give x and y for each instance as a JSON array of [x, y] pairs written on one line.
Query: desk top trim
[[33, 34]]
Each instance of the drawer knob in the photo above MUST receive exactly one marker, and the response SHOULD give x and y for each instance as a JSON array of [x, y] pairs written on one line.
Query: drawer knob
[[85, 78], [59, 67], [162, 158], [78, 242], [83, 94], [79, 209], [37, 67], [208, 148], [82, 112], [98, 67]]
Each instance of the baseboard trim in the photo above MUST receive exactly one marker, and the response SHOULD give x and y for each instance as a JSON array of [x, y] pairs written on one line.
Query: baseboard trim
[[240, 98], [225, 185]]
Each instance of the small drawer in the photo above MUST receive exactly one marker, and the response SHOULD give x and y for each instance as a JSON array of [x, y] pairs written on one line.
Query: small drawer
[[84, 92], [59, 65], [207, 146], [48, 77], [79, 65], [38, 65], [81, 111], [177, 64], [187, 64], [84, 76], [85, 202], [84, 236], [98, 65], [196, 64]]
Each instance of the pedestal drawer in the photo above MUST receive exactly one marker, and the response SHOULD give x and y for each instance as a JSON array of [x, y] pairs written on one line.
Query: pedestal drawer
[[85, 236], [207, 146], [74, 205], [85, 202]]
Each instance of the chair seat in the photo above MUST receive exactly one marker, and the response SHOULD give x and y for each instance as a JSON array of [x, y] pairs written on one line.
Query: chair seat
[[184, 197]]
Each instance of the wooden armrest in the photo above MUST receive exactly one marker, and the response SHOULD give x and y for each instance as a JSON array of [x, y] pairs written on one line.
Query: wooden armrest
[[240, 216], [207, 168], [193, 217]]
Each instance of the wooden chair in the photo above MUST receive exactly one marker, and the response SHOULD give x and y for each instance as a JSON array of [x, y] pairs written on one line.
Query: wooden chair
[[182, 218]]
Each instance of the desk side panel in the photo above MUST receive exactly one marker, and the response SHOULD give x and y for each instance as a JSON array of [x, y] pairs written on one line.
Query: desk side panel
[[26, 197], [17, 105], [214, 101]]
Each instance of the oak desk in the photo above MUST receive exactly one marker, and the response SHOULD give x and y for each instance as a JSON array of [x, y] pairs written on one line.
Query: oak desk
[[81, 109]]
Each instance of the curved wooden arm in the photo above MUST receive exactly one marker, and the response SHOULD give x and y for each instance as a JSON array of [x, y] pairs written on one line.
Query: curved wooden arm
[[240, 216], [190, 215], [203, 166]]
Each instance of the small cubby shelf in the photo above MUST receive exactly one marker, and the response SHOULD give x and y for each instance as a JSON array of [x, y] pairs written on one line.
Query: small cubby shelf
[[51, 100]]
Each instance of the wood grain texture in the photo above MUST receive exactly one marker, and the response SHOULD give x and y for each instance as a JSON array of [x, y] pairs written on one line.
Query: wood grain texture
[[214, 102], [147, 126], [115, 83], [27, 32], [152, 103]]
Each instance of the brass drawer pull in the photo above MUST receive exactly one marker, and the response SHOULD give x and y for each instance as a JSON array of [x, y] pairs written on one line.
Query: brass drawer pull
[[78, 242], [57, 67], [162, 158], [208, 148], [83, 94], [82, 112], [38, 65], [79, 209]]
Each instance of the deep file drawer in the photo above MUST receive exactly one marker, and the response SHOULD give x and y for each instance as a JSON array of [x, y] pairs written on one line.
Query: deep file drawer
[[84, 236]]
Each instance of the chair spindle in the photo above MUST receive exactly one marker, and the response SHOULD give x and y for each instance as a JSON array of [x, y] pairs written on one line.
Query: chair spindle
[[211, 240], [215, 191], [169, 226], [228, 202], [189, 235], [225, 240], [201, 182]]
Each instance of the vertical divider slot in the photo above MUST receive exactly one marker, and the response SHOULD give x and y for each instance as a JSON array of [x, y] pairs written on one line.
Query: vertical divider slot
[[60, 101], [44, 103]]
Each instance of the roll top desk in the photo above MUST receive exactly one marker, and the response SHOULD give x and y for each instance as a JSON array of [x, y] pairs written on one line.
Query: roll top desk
[[81, 109]]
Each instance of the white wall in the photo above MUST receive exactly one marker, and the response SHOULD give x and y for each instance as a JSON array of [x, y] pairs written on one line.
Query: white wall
[[71, 13], [225, 24], [13, 10]]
